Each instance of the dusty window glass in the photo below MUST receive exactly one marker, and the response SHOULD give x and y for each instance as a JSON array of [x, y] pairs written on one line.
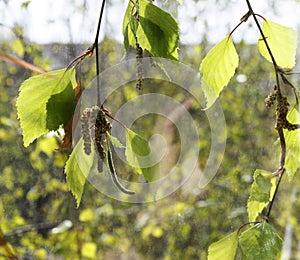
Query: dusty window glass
[[206, 159]]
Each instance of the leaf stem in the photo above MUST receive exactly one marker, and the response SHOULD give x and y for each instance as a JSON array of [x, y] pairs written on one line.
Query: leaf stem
[[89, 51], [107, 113], [245, 19], [242, 21], [246, 224]]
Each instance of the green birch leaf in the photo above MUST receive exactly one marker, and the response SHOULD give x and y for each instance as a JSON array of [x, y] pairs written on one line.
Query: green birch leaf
[[45, 102], [260, 242], [262, 191], [225, 248], [60, 107], [115, 141], [157, 32], [217, 68], [137, 154], [282, 42], [127, 16], [77, 169], [130, 25], [292, 139]]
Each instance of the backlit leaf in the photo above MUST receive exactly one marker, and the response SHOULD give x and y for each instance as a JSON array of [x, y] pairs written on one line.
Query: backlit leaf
[[282, 42], [137, 154], [260, 242], [67, 139], [77, 169], [217, 68], [292, 139], [60, 107], [156, 30], [45, 102], [225, 248], [130, 25], [262, 191], [115, 141]]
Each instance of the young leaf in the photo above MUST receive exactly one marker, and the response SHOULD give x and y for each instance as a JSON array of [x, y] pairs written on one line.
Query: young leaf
[[130, 25], [217, 68], [115, 141], [60, 107], [136, 150], [260, 242], [67, 139], [282, 42], [158, 31], [292, 139], [155, 30], [262, 191], [225, 248], [45, 102], [77, 171]]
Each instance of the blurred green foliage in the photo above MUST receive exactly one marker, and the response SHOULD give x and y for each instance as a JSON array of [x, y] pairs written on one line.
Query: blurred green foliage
[[38, 215]]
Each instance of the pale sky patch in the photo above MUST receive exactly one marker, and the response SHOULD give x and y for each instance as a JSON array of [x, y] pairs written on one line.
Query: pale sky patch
[[47, 21]]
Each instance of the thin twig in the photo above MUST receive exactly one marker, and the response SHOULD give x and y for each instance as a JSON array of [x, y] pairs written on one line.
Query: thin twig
[[22, 63], [89, 51], [280, 98], [97, 50], [31, 228], [267, 45], [283, 147], [288, 83], [281, 172]]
